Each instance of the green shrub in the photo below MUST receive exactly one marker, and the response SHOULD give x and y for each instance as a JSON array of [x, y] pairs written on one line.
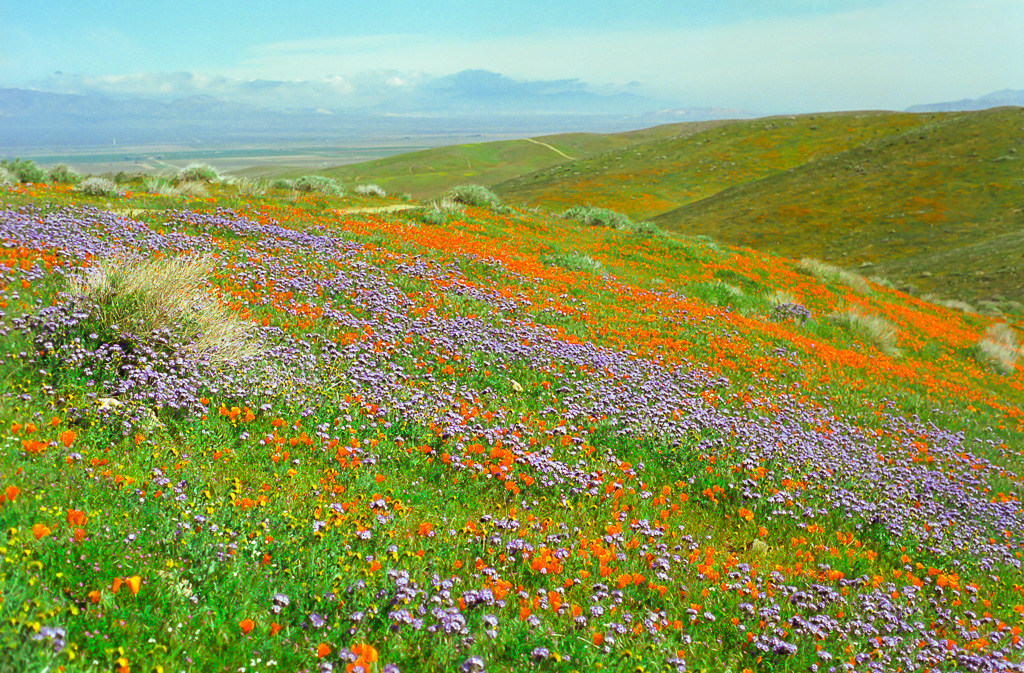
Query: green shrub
[[592, 216], [25, 170], [6, 177], [198, 173], [61, 174], [282, 183], [473, 195], [98, 187], [319, 184]]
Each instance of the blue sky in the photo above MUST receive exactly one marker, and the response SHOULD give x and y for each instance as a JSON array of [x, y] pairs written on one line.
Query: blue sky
[[767, 56]]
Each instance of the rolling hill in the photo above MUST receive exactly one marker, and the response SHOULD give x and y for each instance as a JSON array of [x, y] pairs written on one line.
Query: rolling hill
[[427, 173], [896, 193]]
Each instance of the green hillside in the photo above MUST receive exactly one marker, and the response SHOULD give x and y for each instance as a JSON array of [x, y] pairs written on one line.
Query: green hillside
[[908, 201], [660, 174], [427, 173]]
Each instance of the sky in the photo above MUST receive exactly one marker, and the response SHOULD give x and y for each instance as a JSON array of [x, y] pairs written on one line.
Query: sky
[[769, 56]]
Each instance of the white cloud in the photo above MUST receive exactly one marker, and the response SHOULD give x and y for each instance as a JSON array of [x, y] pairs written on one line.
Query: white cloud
[[890, 56]]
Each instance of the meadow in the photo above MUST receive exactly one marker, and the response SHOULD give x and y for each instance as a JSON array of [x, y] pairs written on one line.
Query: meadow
[[257, 429]]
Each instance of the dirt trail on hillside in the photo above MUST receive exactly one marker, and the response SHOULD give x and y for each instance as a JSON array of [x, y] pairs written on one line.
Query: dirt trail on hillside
[[553, 149]]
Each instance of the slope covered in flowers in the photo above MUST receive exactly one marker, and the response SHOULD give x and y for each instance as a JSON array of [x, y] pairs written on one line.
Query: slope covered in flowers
[[503, 442]]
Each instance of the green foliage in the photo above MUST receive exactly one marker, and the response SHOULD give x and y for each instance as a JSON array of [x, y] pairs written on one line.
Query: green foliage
[[25, 170], [473, 195], [599, 217], [6, 177], [282, 183], [318, 184], [63, 175]]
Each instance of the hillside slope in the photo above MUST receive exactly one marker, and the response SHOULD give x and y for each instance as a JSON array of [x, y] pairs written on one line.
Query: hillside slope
[[660, 174], [272, 433], [897, 201], [427, 173]]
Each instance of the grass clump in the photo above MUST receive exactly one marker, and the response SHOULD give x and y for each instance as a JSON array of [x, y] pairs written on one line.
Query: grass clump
[[159, 186], [6, 177], [252, 187], [592, 216], [98, 187], [283, 184], [999, 347], [198, 173], [473, 195], [370, 190], [831, 273], [318, 184], [875, 329], [164, 296], [574, 261]]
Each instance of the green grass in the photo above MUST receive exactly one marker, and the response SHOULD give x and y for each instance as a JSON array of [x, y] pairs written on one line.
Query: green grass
[[467, 399]]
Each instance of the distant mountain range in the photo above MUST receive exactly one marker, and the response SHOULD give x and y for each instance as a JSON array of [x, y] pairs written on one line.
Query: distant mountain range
[[473, 101], [1002, 98]]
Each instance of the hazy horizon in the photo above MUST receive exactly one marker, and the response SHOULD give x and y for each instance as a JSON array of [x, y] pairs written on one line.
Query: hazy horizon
[[784, 56]]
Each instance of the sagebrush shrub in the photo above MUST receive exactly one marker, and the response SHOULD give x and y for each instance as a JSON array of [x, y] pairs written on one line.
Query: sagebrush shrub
[[98, 187], [6, 177], [370, 190], [198, 173], [473, 195], [319, 184], [592, 216], [282, 183]]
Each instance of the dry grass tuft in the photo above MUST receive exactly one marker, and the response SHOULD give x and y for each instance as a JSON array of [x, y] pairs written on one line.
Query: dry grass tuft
[[1000, 347], [876, 329], [167, 295], [831, 273]]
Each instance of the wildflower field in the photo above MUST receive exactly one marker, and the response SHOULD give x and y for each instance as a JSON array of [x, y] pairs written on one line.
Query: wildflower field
[[262, 433]]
